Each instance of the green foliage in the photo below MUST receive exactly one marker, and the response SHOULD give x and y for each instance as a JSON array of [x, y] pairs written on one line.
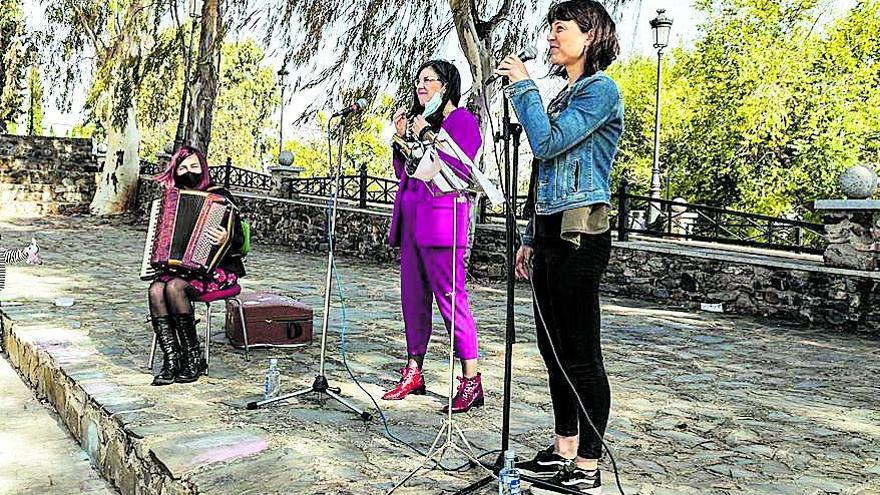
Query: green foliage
[[114, 40], [35, 103], [383, 41], [17, 52], [364, 143], [246, 99], [765, 111], [84, 131]]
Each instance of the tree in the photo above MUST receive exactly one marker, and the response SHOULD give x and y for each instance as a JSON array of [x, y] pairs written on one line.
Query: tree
[[35, 103], [120, 36], [766, 109], [16, 54], [247, 97], [395, 36], [779, 105], [364, 144], [203, 88]]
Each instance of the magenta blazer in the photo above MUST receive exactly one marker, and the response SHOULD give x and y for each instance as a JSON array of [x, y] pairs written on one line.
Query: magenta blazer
[[417, 207]]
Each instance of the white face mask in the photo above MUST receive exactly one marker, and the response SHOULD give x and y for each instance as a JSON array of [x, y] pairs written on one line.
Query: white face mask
[[433, 104]]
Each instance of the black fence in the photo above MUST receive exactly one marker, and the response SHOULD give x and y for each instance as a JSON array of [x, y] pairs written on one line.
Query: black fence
[[363, 188], [230, 176], [679, 220], [630, 214]]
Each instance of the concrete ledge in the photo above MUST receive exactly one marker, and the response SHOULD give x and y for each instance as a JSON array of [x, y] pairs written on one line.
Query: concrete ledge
[[90, 407], [762, 258]]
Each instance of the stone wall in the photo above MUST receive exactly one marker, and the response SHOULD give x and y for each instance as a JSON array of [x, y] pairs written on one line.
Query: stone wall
[[45, 175], [794, 291], [798, 290]]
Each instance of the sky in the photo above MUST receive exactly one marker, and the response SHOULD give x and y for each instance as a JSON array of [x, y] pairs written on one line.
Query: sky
[[634, 32]]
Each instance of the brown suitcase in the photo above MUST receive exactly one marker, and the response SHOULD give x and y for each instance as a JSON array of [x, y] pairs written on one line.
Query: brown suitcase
[[272, 320]]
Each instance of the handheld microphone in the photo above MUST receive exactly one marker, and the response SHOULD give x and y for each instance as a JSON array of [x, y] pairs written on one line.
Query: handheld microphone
[[526, 54], [353, 108]]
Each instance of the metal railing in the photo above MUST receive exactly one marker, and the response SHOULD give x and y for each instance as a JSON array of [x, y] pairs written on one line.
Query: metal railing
[[226, 174], [363, 188], [630, 212], [680, 220]]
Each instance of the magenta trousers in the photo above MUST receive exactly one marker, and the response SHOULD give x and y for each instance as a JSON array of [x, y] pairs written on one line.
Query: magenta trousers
[[426, 274]]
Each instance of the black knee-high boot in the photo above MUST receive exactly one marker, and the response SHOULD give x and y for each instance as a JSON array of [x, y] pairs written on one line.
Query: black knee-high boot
[[191, 365], [165, 335]]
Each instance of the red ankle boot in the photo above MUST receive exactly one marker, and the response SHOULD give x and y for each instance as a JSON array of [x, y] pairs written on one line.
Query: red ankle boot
[[411, 381], [470, 394]]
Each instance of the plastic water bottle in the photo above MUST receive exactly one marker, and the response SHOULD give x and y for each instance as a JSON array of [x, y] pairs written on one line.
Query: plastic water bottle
[[508, 478], [272, 384]]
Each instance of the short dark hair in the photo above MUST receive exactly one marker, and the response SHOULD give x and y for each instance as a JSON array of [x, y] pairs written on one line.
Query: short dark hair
[[451, 79], [589, 15]]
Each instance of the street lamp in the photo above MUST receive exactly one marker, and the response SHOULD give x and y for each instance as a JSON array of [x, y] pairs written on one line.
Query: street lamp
[[661, 26], [282, 73], [193, 15]]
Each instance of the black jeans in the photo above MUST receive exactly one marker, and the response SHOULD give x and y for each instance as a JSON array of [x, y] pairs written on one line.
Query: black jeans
[[566, 280]]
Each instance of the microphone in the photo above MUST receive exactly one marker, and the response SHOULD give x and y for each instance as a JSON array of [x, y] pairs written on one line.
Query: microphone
[[526, 54], [353, 108]]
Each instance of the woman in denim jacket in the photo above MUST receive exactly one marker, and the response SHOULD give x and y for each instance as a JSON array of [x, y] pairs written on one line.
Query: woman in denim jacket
[[568, 241]]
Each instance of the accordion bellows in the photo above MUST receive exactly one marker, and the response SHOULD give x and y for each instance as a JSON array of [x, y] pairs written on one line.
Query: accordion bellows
[[176, 238]]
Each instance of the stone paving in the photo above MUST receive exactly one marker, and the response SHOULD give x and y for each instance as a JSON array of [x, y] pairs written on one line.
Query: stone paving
[[37, 455], [702, 403]]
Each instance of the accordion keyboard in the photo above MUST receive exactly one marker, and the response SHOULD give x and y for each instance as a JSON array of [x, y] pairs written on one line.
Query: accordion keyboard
[[147, 271]]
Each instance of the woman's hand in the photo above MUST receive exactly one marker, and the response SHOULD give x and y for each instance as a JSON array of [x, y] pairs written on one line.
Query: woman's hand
[[400, 122], [217, 235], [524, 262], [513, 68], [419, 123]]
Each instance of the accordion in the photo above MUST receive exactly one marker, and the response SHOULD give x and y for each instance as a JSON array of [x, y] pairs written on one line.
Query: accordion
[[177, 240]]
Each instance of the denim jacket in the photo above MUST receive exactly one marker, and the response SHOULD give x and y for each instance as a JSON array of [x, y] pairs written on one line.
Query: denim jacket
[[574, 148]]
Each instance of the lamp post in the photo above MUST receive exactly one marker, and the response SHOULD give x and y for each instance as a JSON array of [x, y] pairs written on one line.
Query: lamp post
[[178, 136], [661, 26], [282, 73]]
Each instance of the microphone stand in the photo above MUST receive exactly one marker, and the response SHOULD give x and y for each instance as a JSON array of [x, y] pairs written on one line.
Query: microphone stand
[[449, 429], [320, 386], [510, 133]]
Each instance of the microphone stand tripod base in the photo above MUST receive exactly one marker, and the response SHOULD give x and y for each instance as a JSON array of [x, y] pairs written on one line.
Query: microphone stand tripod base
[[448, 429], [321, 388], [435, 453], [320, 385]]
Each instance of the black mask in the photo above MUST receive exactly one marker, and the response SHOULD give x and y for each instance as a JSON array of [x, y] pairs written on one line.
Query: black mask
[[188, 180]]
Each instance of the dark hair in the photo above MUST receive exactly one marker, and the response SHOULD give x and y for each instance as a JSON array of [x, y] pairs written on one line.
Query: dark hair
[[168, 177], [589, 15], [451, 79]]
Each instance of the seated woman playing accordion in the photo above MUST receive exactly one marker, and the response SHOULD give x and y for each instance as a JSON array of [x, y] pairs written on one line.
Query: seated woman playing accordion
[[173, 289]]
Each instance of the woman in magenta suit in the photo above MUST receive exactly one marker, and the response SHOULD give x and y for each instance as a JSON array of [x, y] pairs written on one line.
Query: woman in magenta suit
[[422, 226]]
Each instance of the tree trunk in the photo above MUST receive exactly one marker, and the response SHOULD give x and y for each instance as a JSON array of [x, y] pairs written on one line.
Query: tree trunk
[[118, 182], [480, 60], [203, 88]]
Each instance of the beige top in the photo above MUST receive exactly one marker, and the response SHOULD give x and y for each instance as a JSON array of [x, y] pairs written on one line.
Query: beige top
[[591, 219]]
